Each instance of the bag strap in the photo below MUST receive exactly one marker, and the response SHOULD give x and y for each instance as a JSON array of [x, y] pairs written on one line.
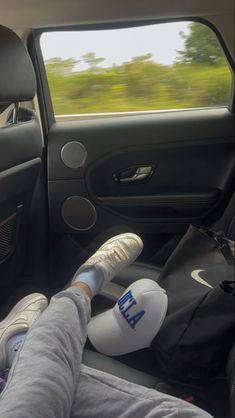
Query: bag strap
[[228, 287], [222, 242], [226, 222], [226, 251]]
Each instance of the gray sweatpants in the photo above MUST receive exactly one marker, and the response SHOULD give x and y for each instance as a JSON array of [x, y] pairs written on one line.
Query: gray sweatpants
[[47, 379]]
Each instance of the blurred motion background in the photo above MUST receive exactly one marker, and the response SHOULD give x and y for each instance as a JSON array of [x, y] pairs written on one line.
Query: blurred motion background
[[197, 75]]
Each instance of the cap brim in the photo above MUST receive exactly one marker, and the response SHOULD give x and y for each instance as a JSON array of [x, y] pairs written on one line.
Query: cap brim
[[108, 337], [133, 322]]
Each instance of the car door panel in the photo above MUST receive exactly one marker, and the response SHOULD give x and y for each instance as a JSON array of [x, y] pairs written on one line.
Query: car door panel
[[191, 153]]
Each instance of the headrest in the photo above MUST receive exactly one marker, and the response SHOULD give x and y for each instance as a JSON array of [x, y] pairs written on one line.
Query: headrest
[[17, 78]]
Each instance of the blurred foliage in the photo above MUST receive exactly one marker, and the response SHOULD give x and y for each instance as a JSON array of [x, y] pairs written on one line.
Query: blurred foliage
[[199, 77], [201, 46]]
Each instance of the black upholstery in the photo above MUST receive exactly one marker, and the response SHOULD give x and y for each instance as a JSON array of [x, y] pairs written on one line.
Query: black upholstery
[[135, 272], [20, 142], [146, 379], [17, 79], [20, 154], [213, 397], [115, 367], [231, 380]]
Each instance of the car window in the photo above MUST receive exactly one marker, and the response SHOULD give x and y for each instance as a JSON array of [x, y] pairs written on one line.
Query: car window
[[178, 65]]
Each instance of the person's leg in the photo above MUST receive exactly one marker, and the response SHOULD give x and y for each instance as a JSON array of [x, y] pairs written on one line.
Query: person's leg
[[45, 372], [13, 330], [100, 395]]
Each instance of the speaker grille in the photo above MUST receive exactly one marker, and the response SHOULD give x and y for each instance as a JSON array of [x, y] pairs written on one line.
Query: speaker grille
[[6, 236], [73, 154], [78, 213]]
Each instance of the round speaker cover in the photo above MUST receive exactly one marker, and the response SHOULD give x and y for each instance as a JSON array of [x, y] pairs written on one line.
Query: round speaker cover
[[78, 213], [73, 154]]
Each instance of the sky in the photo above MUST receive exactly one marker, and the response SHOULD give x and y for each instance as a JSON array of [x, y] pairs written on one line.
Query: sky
[[117, 45]]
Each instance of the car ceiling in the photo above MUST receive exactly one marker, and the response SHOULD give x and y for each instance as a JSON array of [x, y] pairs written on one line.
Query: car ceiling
[[27, 14]]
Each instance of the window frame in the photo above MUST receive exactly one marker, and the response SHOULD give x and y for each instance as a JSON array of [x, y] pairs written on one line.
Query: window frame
[[43, 91]]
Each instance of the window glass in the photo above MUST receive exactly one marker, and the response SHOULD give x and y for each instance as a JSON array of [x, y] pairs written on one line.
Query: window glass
[[176, 65]]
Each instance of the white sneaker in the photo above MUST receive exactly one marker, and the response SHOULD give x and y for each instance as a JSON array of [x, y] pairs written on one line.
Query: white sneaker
[[20, 318], [115, 254]]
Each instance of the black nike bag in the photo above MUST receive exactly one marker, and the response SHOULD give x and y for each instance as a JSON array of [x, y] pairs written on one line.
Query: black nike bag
[[199, 327]]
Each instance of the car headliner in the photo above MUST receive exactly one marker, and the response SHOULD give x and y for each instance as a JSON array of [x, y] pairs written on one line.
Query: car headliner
[[22, 15]]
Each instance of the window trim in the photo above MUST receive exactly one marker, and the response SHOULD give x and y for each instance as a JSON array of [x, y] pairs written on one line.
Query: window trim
[[44, 95]]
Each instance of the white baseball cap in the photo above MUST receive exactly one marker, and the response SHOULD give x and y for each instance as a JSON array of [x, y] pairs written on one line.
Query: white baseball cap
[[133, 322]]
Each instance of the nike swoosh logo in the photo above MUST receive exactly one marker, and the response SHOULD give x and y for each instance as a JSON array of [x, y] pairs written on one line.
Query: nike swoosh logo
[[195, 276]]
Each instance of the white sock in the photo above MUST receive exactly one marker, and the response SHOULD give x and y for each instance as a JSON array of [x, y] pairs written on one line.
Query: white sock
[[12, 346], [93, 278]]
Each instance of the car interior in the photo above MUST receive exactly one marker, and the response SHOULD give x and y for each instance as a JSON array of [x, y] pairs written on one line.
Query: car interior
[[70, 182]]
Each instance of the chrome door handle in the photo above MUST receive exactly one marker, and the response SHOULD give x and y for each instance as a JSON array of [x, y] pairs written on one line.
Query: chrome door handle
[[134, 174]]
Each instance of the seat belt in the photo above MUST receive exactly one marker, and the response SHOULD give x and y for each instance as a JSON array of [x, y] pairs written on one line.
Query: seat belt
[[227, 221], [225, 226]]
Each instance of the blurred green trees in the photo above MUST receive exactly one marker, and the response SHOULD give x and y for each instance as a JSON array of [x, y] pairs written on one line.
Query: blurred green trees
[[201, 46], [199, 77]]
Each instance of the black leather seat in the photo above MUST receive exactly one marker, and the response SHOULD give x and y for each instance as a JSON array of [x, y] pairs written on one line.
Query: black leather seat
[[125, 278], [218, 397], [20, 152], [231, 380], [213, 398], [137, 271]]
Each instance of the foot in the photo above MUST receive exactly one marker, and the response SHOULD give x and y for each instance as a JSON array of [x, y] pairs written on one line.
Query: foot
[[20, 318], [115, 254]]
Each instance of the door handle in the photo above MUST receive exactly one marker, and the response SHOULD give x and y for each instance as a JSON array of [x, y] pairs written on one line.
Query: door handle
[[134, 174]]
